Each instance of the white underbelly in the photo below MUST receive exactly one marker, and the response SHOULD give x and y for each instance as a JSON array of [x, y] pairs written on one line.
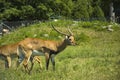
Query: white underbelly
[[37, 53]]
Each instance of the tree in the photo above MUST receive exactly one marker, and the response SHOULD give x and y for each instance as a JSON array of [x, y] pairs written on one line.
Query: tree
[[105, 5], [27, 12], [98, 13], [10, 14], [80, 10], [44, 9], [41, 12]]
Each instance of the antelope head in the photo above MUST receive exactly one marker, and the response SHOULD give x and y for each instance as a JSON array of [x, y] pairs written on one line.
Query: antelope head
[[69, 38]]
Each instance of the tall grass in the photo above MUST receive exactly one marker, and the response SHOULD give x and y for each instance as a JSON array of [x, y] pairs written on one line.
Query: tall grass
[[95, 57]]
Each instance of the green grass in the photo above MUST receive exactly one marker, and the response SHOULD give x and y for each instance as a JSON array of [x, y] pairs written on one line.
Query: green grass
[[96, 57]]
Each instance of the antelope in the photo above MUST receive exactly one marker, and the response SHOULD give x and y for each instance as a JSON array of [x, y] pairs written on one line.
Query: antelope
[[8, 51], [47, 48]]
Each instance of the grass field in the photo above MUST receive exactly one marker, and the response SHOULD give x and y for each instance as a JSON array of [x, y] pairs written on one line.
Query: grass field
[[96, 57]]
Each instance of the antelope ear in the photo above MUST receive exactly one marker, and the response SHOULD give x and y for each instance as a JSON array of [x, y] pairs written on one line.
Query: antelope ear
[[66, 37]]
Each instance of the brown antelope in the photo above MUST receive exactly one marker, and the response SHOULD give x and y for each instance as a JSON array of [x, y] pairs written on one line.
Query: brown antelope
[[48, 48], [12, 50]]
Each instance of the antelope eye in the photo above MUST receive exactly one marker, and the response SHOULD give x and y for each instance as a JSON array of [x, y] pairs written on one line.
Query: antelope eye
[[70, 39]]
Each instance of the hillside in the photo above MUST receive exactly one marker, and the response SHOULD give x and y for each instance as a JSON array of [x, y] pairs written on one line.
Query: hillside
[[95, 57]]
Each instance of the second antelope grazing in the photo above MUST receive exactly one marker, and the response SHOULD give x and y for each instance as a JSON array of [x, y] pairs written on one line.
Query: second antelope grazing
[[48, 48], [10, 51]]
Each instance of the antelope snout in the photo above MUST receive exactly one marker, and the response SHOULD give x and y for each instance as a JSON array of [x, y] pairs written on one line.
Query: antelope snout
[[73, 43]]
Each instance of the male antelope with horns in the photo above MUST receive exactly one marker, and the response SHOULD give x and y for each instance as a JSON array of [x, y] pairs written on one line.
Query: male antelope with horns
[[48, 48]]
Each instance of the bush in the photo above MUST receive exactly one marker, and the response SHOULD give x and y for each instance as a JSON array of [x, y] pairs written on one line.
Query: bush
[[27, 12], [10, 14]]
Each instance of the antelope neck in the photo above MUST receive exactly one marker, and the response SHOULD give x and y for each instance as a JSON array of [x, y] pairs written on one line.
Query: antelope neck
[[61, 45]]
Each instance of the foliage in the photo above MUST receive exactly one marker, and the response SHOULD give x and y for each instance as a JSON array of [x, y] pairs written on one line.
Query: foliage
[[105, 7], [11, 13], [80, 10], [43, 10], [27, 12], [97, 13]]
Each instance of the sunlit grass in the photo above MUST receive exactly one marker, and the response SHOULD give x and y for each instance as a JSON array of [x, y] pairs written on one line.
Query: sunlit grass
[[96, 57]]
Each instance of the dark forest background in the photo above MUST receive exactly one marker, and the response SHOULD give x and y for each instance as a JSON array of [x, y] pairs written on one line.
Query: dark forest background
[[16, 10]]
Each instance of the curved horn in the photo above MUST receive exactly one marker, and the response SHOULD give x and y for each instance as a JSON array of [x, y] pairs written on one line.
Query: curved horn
[[70, 31], [58, 31]]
